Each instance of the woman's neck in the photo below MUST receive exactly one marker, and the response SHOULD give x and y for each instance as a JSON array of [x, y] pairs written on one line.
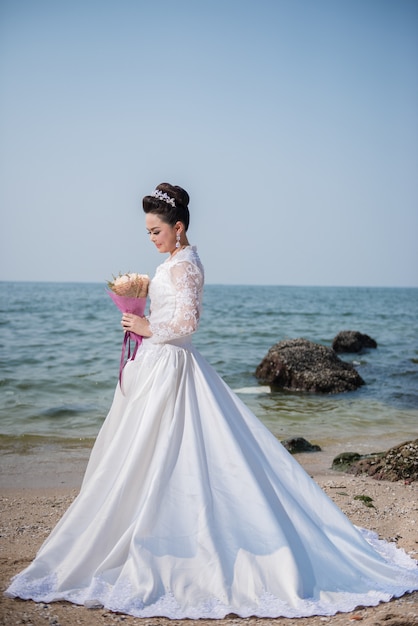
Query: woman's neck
[[177, 250]]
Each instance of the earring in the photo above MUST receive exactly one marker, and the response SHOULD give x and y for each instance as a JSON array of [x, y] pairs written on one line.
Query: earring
[[178, 240]]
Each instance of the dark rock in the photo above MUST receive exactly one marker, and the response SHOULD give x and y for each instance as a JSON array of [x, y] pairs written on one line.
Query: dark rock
[[299, 444], [345, 460], [398, 463], [352, 341], [301, 365]]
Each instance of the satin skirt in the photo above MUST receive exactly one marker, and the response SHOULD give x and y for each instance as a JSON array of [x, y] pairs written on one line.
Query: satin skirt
[[191, 508]]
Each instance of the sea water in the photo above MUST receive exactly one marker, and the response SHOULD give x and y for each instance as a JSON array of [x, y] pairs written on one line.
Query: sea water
[[60, 350]]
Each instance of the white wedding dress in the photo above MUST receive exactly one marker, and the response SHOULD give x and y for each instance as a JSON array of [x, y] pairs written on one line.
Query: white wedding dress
[[191, 508]]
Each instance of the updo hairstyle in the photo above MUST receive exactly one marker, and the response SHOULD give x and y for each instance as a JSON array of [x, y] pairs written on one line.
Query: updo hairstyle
[[168, 213]]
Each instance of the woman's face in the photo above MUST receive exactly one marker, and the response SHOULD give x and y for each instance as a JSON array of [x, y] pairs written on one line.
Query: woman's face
[[162, 235]]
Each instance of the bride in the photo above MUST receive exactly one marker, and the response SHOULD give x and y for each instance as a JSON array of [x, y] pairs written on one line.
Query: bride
[[190, 507]]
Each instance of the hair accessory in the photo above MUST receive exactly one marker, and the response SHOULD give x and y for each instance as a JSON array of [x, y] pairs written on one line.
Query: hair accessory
[[161, 195]]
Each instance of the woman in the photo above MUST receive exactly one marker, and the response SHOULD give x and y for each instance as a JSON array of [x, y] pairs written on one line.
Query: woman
[[190, 507]]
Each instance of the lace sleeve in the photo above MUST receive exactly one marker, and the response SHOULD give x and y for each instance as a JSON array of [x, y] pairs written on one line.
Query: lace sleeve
[[187, 280]]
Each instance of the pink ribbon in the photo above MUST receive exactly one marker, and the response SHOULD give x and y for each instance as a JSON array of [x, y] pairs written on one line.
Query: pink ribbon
[[129, 305], [127, 341]]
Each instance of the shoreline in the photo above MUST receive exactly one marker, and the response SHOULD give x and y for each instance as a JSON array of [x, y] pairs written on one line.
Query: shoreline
[[62, 462], [34, 495]]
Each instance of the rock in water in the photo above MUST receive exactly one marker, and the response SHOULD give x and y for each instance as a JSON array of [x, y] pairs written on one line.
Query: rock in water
[[299, 444], [352, 341], [301, 365]]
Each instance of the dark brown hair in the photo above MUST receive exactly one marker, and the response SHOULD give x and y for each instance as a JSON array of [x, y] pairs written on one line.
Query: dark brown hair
[[168, 213]]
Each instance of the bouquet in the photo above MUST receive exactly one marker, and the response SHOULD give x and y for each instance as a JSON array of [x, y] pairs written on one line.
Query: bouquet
[[129, 293]]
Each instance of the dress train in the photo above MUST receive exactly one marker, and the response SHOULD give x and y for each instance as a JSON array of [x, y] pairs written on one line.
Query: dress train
[[191, 508]]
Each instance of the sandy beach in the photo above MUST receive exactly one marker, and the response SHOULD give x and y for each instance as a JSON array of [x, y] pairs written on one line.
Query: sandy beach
[[35, 494]]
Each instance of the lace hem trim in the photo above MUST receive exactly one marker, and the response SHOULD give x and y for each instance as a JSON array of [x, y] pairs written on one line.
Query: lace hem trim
[[102, 595], [122, 597]]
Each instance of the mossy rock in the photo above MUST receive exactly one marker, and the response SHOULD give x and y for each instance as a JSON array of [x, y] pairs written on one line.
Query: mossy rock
[[345, 460]]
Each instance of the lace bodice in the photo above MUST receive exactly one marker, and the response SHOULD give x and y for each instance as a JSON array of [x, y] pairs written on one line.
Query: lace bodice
[[176, 296]]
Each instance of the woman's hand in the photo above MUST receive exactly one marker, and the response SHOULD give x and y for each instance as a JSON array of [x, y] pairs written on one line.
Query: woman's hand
[[136, 324]]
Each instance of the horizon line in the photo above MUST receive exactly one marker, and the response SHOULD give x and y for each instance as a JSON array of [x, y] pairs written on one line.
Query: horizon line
[[217, 284]]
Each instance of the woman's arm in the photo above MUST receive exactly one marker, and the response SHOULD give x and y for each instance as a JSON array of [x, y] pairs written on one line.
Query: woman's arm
[[187, 279]]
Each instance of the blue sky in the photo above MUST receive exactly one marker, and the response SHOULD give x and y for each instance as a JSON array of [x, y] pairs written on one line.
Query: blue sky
[[293, 124]]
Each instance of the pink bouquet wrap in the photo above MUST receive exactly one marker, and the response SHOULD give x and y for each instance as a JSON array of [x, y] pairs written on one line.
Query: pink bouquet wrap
[[128, 292], [129, 305]]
